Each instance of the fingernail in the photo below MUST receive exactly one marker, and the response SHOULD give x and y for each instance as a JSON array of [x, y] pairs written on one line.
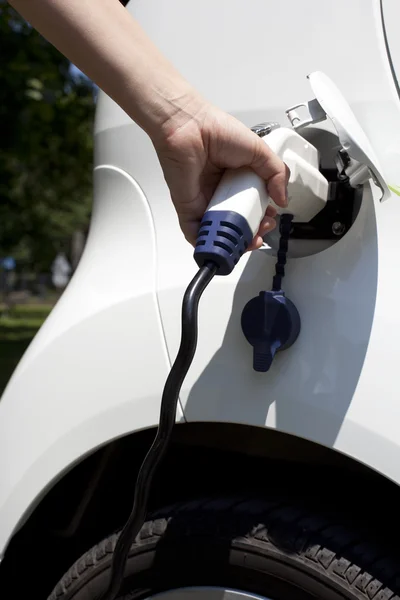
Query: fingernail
[[269, 226]]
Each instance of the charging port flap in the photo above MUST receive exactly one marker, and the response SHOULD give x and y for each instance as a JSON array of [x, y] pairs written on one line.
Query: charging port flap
[[357, 158]]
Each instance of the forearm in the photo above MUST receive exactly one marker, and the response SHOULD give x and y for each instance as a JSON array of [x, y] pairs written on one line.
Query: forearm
[[103, 40]]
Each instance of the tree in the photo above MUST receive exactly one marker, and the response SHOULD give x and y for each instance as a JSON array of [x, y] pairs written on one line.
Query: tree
[[46, 115]]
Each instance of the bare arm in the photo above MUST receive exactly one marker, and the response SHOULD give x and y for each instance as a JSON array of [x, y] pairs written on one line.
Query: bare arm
[[194, 140], [109, 46]]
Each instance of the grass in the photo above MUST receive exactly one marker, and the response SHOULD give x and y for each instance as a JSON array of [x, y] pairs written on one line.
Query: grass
[[17, 329]]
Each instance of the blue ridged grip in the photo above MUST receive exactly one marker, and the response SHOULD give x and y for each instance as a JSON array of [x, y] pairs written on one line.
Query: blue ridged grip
[[223, 238]]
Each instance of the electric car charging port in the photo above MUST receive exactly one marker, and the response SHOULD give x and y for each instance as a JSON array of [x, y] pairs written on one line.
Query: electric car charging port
[[340, 212], [335, 220]]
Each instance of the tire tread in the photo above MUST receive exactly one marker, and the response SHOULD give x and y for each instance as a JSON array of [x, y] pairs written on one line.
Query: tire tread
[[317, 540]]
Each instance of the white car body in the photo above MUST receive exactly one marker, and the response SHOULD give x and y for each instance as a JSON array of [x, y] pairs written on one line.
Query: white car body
[[96, 370]]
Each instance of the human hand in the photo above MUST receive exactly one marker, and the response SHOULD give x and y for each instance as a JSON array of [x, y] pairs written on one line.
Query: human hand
[[194, 154], [194, 140]]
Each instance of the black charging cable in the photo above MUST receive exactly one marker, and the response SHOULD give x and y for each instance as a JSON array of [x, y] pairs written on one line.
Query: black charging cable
[[158, 449]]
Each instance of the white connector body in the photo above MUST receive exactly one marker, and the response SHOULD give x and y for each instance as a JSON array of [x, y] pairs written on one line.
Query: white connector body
[[243, 192]]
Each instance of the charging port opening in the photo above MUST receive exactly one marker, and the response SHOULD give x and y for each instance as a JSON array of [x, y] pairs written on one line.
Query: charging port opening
[[342, 207]]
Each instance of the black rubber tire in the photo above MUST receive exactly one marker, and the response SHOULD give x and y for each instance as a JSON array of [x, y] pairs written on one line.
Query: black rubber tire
[[273, 548]]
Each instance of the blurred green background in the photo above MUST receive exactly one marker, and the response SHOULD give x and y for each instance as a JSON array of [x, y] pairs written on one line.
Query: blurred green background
[[46, 120]]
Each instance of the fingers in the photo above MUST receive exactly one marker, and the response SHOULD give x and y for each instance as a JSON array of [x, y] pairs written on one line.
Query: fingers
[[256, 243], [271, 168], [271, 211], [190, 229], [266, 225], [277, 186]]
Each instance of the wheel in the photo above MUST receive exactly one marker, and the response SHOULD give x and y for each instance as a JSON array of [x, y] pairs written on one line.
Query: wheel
[[240, 549]]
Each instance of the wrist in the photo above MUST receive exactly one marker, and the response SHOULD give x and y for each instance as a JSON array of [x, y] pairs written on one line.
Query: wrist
[[160, 103], [170, 108]]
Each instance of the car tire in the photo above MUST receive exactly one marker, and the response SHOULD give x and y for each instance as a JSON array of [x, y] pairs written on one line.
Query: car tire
[[275, 548]]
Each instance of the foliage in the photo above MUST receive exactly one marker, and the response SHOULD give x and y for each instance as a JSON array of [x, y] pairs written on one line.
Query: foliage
[[16, 333], [46, 115]]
